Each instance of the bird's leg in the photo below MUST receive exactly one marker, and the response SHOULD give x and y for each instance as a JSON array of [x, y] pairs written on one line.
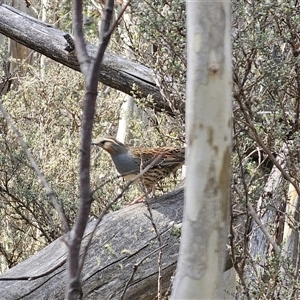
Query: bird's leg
[[148, 191], [153, 191], [138, 199]]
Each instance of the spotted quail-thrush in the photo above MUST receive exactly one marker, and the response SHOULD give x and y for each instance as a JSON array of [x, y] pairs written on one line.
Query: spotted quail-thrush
[[130, 161]]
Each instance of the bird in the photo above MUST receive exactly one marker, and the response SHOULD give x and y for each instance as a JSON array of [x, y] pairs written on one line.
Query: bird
[[130, 161]]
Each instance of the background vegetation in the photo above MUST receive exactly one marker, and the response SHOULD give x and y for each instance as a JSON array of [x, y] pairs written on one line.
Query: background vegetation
[[46, 107]]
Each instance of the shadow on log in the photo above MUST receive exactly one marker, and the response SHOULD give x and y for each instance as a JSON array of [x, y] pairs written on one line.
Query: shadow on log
[[122, 240]]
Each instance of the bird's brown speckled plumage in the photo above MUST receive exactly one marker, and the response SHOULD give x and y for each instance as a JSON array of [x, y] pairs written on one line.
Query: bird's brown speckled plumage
[[130, 161]]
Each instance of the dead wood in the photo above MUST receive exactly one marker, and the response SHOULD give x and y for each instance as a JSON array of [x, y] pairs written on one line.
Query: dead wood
[[116, 71], [124, 239]]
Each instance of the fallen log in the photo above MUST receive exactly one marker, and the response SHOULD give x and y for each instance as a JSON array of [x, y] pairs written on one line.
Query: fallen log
[[122, 260]]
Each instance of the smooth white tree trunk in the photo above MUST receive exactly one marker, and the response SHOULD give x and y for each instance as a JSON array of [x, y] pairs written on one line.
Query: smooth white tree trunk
[[290, 235], [208, 133], [44, 19], [127, 109], [16, 50]]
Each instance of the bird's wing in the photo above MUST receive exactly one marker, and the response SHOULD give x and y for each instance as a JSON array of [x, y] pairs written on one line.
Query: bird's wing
[[169, 155]]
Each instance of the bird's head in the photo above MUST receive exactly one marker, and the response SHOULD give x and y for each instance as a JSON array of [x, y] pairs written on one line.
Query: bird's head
[[111, 145]]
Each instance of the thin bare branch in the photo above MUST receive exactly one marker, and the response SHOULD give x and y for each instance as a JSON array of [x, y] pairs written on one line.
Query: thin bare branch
[[80, 44], [42, 178], [159, 259], [135, 267], [263, 229], [74, 289], [109, 205], [26, 278]]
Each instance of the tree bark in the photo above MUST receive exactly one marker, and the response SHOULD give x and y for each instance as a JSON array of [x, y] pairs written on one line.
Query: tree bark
[[116, 72], [290, 235], [208, 132], [16, 51], [122, 240], [259, 245]]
